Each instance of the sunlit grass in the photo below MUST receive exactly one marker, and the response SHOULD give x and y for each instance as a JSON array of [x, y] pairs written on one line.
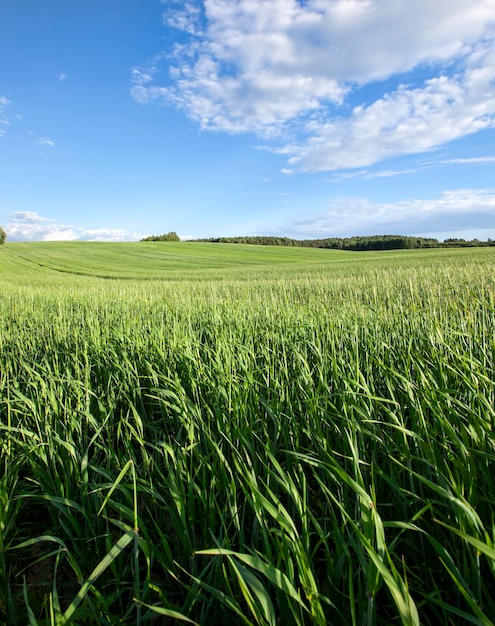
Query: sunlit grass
[[284, 441]]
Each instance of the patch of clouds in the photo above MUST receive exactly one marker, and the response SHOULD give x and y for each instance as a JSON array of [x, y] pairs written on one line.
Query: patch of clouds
[[287, 69], [4, 103], [366, 174], [62, 76], [46, 141], [188, 18], [462, 209], [369, 174], [406, 121], [30, 226], [106, 234], [474, 160], [143, 90]]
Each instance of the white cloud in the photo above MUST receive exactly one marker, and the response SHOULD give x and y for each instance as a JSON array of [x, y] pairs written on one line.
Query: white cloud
[[475, 160], [107, 234], [29, 217], [407, 121], [142, 88], [30, 226], [367, 174], [4, 103], [288, 67], [46, 141], [187, 18], [462, 209], [62, 76]]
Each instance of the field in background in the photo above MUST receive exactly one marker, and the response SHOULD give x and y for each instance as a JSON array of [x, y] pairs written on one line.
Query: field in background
[[242, 434], [206, 261]]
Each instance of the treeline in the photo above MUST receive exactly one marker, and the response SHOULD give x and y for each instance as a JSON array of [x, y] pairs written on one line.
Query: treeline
[[374, 242], [171, 236]]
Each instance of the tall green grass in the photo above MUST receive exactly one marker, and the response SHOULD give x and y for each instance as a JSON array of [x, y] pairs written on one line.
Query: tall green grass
[[311, 444]]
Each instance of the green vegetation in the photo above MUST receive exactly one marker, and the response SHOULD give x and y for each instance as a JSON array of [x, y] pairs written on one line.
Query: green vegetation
[[374, 242], [171, 236], [3, 236], [246, 435]]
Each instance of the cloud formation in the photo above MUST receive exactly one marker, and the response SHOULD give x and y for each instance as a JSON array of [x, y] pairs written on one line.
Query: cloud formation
[[30, 226], [46, 141], [462, 209], [289, 69], [406, 121], [472, 160], [4, 103]]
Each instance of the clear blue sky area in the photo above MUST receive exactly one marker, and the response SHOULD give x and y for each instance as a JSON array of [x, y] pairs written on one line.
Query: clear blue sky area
[[315, 118]]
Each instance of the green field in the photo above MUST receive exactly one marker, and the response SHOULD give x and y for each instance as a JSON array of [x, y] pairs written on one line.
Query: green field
[[229, 434]]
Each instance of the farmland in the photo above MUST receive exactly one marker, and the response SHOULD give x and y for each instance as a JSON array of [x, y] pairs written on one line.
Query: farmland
[[229, 434]]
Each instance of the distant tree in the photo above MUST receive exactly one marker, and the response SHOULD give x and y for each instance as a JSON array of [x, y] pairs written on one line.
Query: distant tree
[[171, 236], [3, 236]]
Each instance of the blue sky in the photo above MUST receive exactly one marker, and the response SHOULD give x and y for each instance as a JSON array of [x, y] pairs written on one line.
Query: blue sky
[[305, 118]]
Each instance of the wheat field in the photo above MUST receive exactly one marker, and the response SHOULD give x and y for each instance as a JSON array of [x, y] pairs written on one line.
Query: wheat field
[[228, 434]]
